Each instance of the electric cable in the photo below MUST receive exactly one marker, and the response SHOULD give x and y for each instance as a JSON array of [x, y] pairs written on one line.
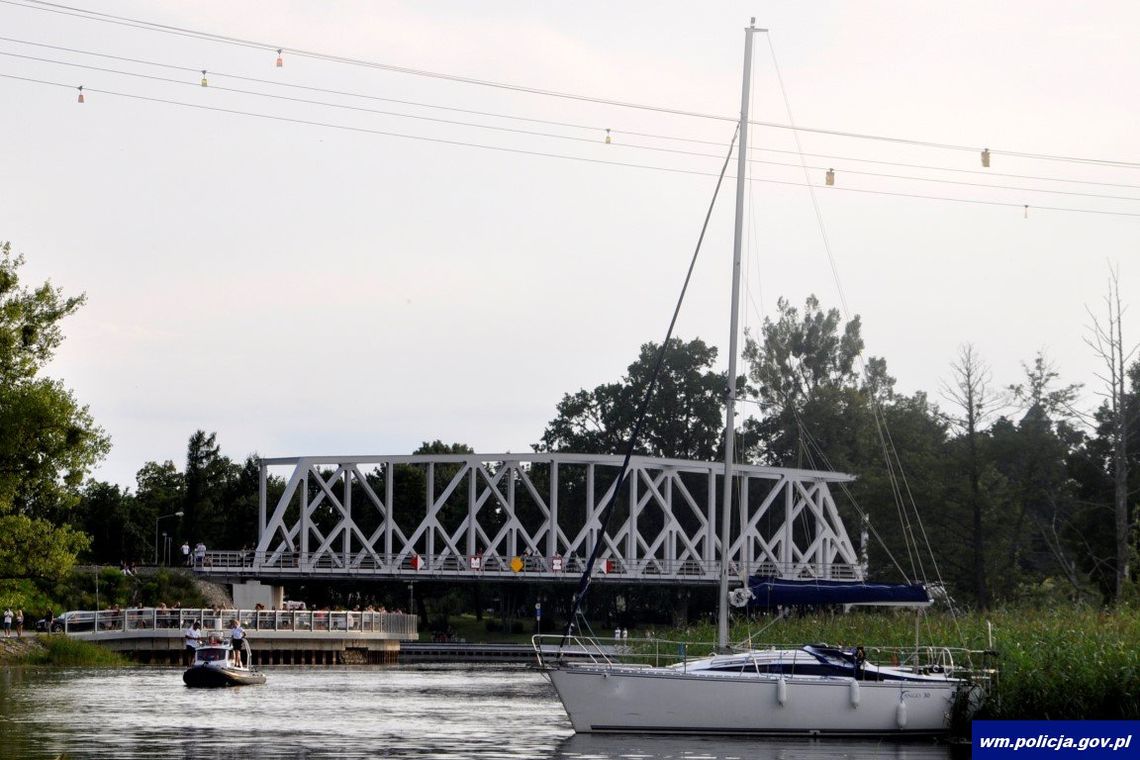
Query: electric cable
[[42, 5], [521, 151]]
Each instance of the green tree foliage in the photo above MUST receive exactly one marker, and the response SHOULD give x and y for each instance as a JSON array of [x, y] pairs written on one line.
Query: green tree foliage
[[819, 411], [1094, 465], [117, 522], [803, 370], [798, 357], [1033, 456], [218, 497], [684, 419], [48, 441], [207, 477], [36, 549]]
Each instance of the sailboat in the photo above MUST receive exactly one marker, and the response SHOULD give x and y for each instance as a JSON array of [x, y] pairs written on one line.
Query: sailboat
[[815, 689]]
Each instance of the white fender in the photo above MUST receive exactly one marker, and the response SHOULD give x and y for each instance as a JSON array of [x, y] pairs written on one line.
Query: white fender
[[900, 713], [782, 691], [854, 693]]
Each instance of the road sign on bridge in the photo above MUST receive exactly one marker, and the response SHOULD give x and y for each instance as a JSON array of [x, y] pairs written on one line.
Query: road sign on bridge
[[536, 517]]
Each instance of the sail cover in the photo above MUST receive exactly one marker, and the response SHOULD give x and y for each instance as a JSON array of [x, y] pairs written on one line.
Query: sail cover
[[772, 592]]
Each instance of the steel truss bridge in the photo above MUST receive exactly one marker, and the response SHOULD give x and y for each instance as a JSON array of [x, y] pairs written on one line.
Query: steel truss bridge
[[536, 517]]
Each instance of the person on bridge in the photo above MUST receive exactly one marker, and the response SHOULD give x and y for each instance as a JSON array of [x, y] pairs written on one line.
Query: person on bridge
[[192, 636], [186, 553]]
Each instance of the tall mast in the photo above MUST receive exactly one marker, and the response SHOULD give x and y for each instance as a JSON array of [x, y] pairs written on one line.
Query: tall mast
[[730, 401]]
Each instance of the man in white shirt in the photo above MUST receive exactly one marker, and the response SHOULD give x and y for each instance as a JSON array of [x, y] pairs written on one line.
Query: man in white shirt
[[192, 636], [237, 636]]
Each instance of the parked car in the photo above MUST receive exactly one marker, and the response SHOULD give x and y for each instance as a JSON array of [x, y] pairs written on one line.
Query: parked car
[[74, 621]]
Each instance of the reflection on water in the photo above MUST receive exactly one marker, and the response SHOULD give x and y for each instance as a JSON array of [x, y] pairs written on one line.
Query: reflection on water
[[643, 747], [308, 713]]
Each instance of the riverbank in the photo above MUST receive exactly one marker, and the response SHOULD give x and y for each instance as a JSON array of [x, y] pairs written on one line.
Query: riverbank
[[55, 649]]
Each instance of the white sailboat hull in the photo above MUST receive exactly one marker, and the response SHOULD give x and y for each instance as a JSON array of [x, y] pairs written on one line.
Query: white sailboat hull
[[663, 700]]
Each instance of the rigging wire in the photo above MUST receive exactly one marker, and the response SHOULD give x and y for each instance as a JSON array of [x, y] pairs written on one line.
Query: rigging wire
[[643, 409], [42, 5], [900, 505], [892, 455]]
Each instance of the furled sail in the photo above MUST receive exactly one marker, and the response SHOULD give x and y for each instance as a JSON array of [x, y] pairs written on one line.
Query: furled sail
[[768, 591]]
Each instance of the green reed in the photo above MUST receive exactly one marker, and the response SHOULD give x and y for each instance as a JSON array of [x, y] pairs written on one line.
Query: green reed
[[56, 649]]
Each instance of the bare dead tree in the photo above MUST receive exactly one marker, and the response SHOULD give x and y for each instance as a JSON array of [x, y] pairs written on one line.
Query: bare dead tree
[[1106, 339], [970, 392]]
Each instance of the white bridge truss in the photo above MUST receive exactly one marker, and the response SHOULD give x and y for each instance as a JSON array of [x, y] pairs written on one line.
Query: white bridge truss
[[536, 517]]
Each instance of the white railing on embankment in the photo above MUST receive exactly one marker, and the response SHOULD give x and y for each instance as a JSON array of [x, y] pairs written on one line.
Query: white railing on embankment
[[143, 620]]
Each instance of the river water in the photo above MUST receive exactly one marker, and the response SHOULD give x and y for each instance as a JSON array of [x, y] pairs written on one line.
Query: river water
[[498, 712]]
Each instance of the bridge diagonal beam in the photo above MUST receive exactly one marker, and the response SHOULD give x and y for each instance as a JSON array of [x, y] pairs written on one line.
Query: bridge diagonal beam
[[668, 526]]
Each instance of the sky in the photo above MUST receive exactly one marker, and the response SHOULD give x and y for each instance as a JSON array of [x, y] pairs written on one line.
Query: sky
[[411, 258]]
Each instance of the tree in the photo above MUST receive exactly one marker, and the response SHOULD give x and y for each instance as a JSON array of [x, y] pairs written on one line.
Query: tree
[[803, 370], [1107, 341], [1034, 457], [37, 549], [684, 419], [207, 476], [970, 392], [118, 523], [818, 411], [49, 441], [797, 358]]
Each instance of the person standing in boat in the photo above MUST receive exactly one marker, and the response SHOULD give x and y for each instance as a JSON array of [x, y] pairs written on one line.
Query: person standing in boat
[[237, 637], [192, 636]]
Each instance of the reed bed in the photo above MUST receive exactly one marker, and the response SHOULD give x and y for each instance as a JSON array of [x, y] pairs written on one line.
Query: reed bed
[[60, 650]]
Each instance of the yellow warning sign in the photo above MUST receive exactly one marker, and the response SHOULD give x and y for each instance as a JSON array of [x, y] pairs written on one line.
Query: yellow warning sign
[[517, 564]]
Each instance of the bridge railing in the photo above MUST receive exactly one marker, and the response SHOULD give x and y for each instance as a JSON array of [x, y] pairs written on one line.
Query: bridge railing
[[334, 622], [286, 563]]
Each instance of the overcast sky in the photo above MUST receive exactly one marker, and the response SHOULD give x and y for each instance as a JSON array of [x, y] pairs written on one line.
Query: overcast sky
[[302, 289]]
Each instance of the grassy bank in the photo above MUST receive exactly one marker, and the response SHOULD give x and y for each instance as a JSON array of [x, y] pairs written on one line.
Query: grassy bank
[[57, 650], [1070, 663]]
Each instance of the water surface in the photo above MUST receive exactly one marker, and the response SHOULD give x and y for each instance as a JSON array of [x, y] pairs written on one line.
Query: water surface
[[424, 711]]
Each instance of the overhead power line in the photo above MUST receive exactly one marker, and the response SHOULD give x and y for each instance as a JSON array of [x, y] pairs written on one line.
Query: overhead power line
[[533, 133], [82, 13], [593, 128], [544, 154]]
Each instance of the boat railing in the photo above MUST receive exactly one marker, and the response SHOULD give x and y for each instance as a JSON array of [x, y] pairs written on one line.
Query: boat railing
[[332, 622], [977, 665], [958, 662], [617, 651]]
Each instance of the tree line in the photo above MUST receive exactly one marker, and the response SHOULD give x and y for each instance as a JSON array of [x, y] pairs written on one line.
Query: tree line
[[1001, 491]]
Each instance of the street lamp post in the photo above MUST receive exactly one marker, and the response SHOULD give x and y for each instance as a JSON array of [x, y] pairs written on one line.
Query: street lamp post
[[179, 513]]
